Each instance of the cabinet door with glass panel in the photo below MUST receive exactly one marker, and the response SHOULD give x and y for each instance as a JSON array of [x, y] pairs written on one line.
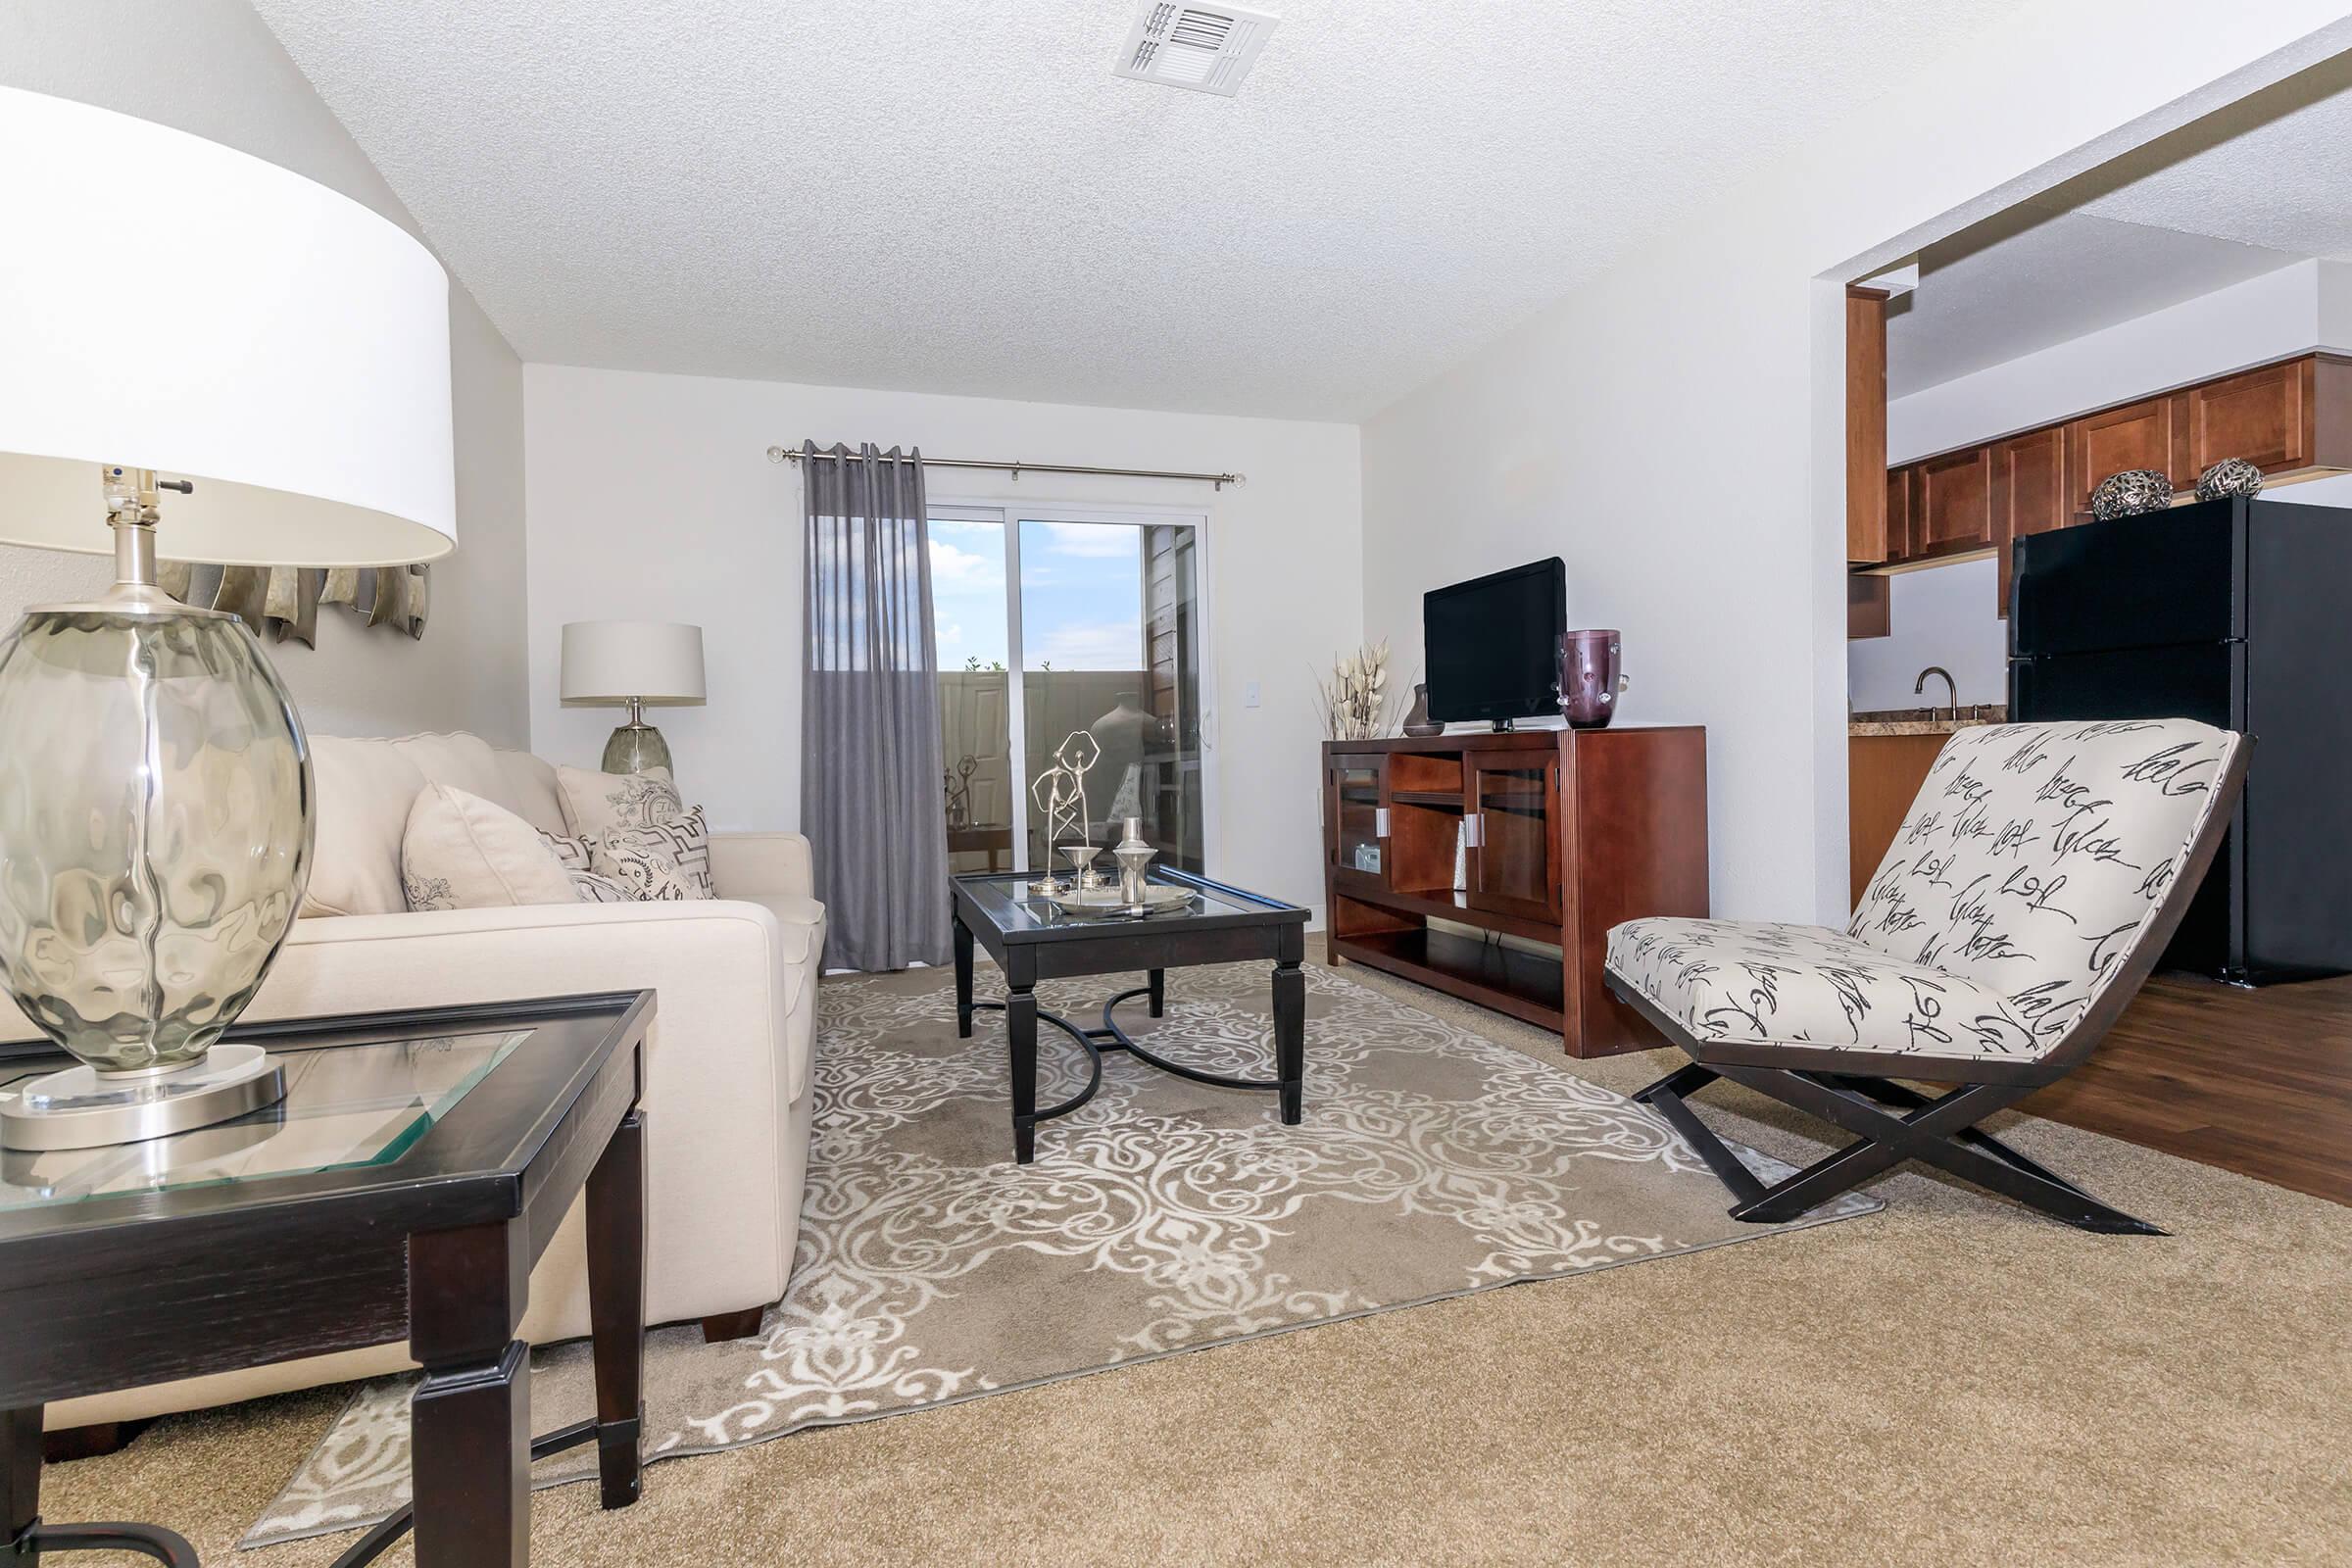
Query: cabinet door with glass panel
[[1358, 801], [1512, 862]]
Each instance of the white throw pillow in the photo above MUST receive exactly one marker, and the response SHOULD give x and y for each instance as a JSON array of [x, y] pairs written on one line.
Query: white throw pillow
[[595, 802], [643, 860], [462, 852]]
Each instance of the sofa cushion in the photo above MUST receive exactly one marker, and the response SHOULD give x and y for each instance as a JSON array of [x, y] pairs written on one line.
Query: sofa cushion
[[365, 790], [466, 853], [462, 761], [593, 802], [1808, 985], [532, 783]]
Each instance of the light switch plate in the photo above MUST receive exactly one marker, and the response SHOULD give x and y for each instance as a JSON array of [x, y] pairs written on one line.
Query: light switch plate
[[1250, 694]]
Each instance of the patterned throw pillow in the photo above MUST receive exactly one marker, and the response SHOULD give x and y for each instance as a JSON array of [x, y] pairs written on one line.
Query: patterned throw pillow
[[658, 887], [646, 859], [594, 802], [577, 853]]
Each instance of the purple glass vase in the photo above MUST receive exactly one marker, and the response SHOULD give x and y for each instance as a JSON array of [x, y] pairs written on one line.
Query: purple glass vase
[[1588, 678]]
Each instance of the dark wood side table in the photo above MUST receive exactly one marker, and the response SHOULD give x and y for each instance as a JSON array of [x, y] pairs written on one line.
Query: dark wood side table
[[416, 1170], [1033, 941]]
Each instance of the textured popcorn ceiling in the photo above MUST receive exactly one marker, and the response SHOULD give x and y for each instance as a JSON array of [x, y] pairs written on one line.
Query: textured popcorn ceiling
[[961, 198], [2259, 186]]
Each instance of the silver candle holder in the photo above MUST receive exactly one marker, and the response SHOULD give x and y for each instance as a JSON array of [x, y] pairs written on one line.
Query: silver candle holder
[[1135, 858]]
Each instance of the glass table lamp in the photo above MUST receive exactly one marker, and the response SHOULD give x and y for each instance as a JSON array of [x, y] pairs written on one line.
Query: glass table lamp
[[634, 664], [253, 371]]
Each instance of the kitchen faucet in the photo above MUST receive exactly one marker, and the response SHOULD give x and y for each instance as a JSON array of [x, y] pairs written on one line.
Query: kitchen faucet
[[1950, 690]]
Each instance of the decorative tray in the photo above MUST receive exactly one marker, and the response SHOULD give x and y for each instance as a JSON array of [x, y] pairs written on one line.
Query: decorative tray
[[1104, 904]]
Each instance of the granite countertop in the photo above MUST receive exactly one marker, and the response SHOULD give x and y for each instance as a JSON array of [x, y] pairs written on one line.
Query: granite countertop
[[1923, 721]]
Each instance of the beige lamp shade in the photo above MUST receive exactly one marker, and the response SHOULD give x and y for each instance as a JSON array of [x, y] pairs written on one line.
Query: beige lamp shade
[[610, 663], [168, 303]]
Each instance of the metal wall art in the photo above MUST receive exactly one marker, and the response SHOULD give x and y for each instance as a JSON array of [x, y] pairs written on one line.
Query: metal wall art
[[284, 601]]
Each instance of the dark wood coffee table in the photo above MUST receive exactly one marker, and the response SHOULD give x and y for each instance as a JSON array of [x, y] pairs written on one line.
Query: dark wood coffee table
[[416, 1170], [1032, 940]]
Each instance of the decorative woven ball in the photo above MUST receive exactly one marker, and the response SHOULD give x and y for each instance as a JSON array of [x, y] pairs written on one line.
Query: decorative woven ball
[[2232, 477], [2130, 493]]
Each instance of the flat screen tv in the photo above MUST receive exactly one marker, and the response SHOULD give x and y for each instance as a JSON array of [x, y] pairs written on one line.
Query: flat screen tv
[[1493, 645]]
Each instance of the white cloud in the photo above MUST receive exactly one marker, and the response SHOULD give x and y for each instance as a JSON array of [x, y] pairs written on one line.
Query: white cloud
[[1087, 645], [951, 567], [1094, 540]]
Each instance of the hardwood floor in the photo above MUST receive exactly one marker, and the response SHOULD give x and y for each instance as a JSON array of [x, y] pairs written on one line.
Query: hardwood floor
[[2258, 1082]]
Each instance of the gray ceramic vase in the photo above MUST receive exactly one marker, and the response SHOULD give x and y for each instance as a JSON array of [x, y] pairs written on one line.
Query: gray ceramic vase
[[2232, 477], [2130, 493]]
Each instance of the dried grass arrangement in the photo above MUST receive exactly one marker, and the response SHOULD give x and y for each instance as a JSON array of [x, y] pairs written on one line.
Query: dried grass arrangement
[[1355, 702]]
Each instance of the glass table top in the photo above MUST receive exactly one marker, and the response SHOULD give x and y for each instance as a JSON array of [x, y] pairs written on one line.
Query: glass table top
[[345, 1106], [1007, 900]]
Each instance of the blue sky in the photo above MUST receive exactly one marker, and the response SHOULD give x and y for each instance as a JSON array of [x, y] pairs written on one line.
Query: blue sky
[[1082, 593]]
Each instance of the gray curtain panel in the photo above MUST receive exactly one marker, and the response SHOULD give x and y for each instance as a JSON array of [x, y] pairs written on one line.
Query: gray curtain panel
[[870, 800]]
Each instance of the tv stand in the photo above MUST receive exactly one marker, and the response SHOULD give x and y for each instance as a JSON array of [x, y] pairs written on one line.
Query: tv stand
[[1562, 834], [1504, 726]]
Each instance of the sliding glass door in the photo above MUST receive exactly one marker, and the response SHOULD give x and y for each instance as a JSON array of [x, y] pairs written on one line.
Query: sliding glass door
[[1100, 618]]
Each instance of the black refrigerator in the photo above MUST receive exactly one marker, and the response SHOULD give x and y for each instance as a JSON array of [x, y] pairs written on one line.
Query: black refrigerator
[[2239, 614]]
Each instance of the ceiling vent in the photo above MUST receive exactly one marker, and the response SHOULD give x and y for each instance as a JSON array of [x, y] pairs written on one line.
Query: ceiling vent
[[1202, 48]]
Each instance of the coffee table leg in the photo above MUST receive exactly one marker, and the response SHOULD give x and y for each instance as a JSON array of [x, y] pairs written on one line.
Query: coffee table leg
[[616, 1305], [470, 1421], [1021, 1032], [963, 981], [1159, 998], [1289, 1040]]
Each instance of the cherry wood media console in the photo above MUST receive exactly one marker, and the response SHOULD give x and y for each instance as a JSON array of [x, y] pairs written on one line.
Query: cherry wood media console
[[1553, 836]]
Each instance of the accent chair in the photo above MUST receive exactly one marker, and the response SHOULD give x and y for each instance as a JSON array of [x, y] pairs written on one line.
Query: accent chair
[[2034, 885]]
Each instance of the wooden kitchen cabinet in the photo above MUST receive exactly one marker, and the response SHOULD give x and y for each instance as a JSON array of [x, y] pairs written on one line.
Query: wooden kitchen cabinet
[[1901, 490], [1866, 538], [1869, 605], [2150, 434], [1954, 499], [1883, 775], [2263, 415], [2029, 493], [2291, 418]]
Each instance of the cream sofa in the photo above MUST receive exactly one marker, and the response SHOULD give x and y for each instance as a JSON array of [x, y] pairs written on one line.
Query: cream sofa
[[727, 1093]]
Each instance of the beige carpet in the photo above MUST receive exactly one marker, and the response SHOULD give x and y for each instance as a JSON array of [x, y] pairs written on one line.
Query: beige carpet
[[1950, 1379], [1162, 1216]]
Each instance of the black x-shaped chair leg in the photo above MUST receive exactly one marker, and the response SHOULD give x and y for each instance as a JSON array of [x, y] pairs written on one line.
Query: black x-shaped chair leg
[[1939, 1130]]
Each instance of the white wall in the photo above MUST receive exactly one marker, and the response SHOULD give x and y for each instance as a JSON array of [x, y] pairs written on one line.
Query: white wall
[[1943, 616], [1675, 430], [2292, 311], [1949, 614], [651, 497], [211, 68]]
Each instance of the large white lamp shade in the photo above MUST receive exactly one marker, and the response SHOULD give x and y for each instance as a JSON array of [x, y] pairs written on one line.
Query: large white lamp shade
[[172, 304], [655, 663]]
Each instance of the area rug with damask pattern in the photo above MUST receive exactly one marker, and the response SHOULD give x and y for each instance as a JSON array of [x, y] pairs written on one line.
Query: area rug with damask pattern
[[1164, 1217]]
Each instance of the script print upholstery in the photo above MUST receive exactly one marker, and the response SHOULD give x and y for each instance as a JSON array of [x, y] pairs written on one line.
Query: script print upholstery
[[2030, 864]]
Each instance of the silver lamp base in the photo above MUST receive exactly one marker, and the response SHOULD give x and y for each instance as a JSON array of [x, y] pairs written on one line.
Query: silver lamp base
[[77, 1107]]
